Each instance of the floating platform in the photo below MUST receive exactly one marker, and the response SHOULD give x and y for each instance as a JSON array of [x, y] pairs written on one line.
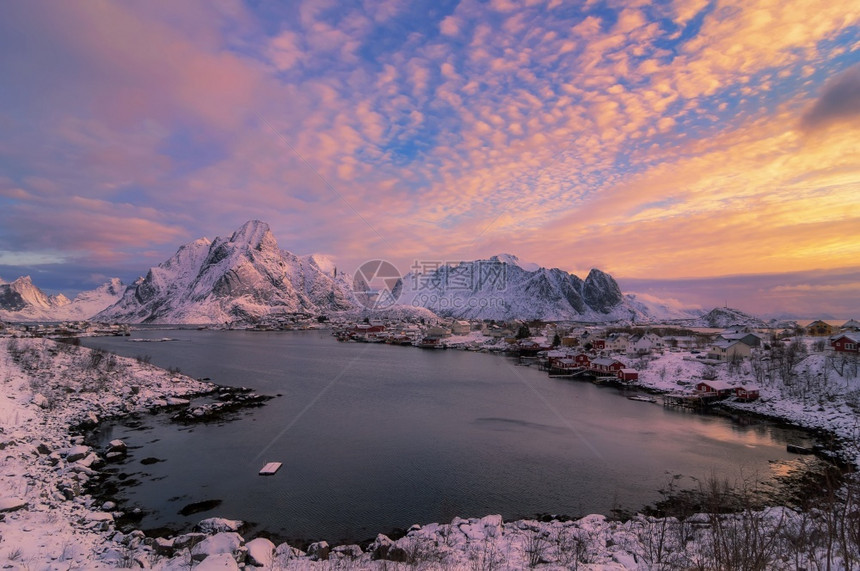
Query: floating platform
[[270, 468], [642, 398]]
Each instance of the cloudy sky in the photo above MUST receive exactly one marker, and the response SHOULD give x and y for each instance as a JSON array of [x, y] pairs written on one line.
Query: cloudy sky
[[703, 151]]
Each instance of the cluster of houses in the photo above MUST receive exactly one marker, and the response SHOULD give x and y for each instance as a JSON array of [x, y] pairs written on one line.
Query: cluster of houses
[[843, 339], [64, 329], [402, 333], [561, 362], [708, 392]]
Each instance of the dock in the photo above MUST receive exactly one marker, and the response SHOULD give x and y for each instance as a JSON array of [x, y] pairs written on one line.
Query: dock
[[270, 468]]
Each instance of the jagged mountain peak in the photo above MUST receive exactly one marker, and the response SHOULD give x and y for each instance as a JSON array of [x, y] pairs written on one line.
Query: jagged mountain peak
[[254, 234], [245, 277], [513, 260]]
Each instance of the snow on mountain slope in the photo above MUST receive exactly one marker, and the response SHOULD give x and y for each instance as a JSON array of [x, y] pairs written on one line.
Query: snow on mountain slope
[[721, 317], [662, 309], [502, 288], [23, 301], [243, 278]]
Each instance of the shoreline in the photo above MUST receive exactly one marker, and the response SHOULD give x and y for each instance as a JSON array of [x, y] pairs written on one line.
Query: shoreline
[[59, 459]]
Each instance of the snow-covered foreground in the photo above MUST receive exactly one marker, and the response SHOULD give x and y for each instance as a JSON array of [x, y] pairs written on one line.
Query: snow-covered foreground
[[47, 522]]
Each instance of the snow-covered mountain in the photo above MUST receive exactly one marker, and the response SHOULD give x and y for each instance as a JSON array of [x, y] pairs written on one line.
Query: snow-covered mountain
[[243, 278], [21, 300], [502, 287], [659, 309], [722, 317]]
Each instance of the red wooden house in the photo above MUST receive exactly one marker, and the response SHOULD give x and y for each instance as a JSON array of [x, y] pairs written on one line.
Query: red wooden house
[[747, 393], [628, 375], [582, 360], [564, 363], [606, 366], [598, 344], [848, 342], [714, 388]]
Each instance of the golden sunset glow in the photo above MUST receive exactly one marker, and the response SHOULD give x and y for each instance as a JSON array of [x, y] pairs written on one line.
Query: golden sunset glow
[[684, 140]]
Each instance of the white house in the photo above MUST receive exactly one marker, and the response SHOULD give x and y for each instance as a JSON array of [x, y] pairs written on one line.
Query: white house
[[725, 350], [644, 343]]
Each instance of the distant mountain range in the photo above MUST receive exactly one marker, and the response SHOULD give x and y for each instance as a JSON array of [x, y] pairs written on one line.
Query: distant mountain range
[[21, 300], [502, 287], [247, 278]]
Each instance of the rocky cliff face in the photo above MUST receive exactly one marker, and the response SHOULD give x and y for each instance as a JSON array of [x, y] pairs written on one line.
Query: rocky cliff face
[[242, 278]]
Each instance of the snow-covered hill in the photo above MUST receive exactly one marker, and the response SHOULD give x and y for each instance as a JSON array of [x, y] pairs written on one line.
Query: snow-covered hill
[[243, 278], [22, 300], [502, 288], [659, 309], [722, 317]]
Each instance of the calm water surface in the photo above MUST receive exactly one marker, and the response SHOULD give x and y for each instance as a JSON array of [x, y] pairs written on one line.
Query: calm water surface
[[375, 437]]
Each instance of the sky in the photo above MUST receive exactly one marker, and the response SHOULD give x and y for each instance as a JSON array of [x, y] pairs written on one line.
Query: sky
[[703, 151]]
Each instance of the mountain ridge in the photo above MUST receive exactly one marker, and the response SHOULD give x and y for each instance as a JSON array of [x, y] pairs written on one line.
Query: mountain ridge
[[244, 278], [21, 300]]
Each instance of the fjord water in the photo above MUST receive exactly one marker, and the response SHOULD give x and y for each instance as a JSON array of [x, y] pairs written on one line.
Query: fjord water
[[375, 437]]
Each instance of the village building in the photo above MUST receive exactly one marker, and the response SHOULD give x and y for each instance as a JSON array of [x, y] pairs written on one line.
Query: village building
[[819, 328], [617, 342], [747, 393], [714, 389], [461, 327], [605, 365], [644, 343], [726, 351], [848, 342], [564, 364], [628, 375], [751, 339], [437, 332], [851, 325], [680, 341]]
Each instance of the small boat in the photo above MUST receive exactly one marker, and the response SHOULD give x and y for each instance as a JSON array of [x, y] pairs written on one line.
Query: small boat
[[270, 468], [642, 398]]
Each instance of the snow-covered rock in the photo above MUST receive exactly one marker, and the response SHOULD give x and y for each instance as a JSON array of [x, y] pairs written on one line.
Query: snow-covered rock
[[218, 562], [224, 542], [261, 552], [218, 525], [11, 504]]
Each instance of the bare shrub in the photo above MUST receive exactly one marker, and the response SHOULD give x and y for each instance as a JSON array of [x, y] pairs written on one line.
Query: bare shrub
[[536, 545], [486, 557]]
